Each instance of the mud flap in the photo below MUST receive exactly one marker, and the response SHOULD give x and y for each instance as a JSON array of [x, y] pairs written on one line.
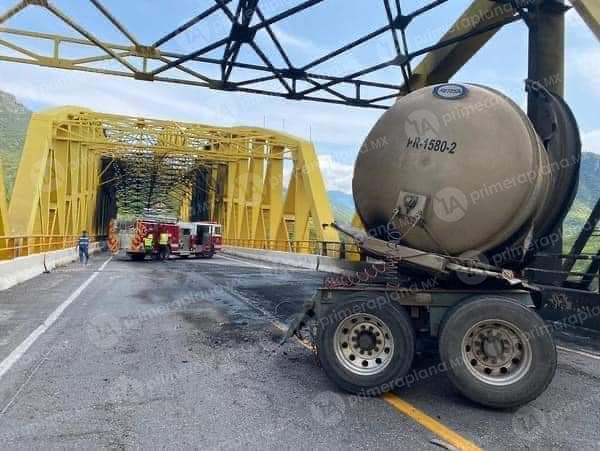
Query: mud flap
[[301, 319]]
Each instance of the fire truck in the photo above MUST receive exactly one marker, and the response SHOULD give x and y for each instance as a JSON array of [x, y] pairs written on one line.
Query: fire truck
[[195, 239]]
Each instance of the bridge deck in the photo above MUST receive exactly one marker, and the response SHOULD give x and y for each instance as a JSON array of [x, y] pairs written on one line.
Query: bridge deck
[[185, 353]]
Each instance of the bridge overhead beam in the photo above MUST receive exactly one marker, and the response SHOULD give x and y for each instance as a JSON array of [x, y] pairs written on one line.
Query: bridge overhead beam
[[356, 87], [471, 31]]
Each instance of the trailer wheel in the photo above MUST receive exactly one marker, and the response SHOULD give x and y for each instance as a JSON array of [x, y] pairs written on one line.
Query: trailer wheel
[[366, 349], [138, 257], [497, 352]]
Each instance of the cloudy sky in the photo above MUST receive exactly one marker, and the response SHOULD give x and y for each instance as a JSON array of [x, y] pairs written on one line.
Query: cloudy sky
[[337, 131]]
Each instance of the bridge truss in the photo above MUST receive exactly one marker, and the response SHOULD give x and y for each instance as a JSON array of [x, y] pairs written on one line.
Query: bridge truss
[[218, 63], [79, 166]]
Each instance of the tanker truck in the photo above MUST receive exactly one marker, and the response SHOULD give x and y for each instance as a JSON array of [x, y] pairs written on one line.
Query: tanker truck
[[457, 197]]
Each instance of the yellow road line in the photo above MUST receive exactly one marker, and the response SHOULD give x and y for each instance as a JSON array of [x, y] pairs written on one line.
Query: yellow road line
[[446, 434]]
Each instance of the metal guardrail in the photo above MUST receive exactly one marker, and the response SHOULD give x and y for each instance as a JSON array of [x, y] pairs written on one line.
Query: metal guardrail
[[351, 251], [13, 246], [582, 271], [335, 249]]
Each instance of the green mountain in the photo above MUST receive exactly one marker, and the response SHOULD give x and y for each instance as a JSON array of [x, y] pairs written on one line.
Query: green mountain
[[14, 120], [589, 181], [588, 193]]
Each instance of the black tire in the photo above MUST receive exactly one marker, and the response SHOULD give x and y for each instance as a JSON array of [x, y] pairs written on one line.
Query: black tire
[[138, 257], [402, 353], [529, 359]]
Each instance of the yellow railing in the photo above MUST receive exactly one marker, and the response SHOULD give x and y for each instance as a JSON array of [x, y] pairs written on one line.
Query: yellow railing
[[14, 246], [336, 249]]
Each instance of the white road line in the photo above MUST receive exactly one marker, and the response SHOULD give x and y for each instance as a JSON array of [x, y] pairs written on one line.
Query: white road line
[[583, 353], [20, 350]]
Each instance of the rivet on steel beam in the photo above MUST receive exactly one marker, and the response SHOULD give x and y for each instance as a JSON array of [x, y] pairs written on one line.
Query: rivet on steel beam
[[294, 72], [146, 51], [43, 3], [146, 76], [401, 21]]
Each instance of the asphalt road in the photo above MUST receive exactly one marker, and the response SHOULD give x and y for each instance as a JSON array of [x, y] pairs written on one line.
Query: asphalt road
[[185, 354]]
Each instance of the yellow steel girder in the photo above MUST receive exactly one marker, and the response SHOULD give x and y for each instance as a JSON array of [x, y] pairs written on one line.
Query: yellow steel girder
[[440, 65], [58, 180], [184, 208], [589, 10]]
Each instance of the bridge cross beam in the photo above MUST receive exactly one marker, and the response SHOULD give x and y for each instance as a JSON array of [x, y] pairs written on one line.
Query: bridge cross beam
[[240, 33]]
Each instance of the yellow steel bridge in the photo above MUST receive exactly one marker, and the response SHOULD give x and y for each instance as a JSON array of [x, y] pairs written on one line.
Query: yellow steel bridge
[[265, 187], [69, 155]]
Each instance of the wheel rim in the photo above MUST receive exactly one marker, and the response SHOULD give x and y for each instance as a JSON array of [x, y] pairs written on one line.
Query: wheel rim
[[496, 352], [364, 344]]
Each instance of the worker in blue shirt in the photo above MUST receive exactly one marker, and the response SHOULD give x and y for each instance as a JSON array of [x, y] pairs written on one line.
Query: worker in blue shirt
[[83, 246]]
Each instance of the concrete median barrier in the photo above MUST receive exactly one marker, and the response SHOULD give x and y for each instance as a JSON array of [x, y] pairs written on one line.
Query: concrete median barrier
[[305, 261], [21, 269]]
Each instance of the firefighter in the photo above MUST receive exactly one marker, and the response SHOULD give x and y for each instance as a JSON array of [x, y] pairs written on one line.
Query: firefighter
[[148, 244], [83, 247], [163, 244]]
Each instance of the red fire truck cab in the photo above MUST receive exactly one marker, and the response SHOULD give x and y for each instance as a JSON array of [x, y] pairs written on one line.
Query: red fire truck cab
[[199, 239], [196, 239]]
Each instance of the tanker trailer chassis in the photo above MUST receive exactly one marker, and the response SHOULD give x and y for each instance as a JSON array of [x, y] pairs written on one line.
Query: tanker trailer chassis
[[441, 188], [492, 344]]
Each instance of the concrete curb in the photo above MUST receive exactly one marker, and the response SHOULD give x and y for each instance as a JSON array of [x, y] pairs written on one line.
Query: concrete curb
[[305, 261], [20, 269]]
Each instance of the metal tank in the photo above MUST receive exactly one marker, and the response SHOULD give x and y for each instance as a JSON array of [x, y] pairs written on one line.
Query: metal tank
[[459, 169]]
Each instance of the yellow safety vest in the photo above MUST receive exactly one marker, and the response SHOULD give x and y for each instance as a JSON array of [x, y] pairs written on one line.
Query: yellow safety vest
[[148, 241], [164, 239]]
